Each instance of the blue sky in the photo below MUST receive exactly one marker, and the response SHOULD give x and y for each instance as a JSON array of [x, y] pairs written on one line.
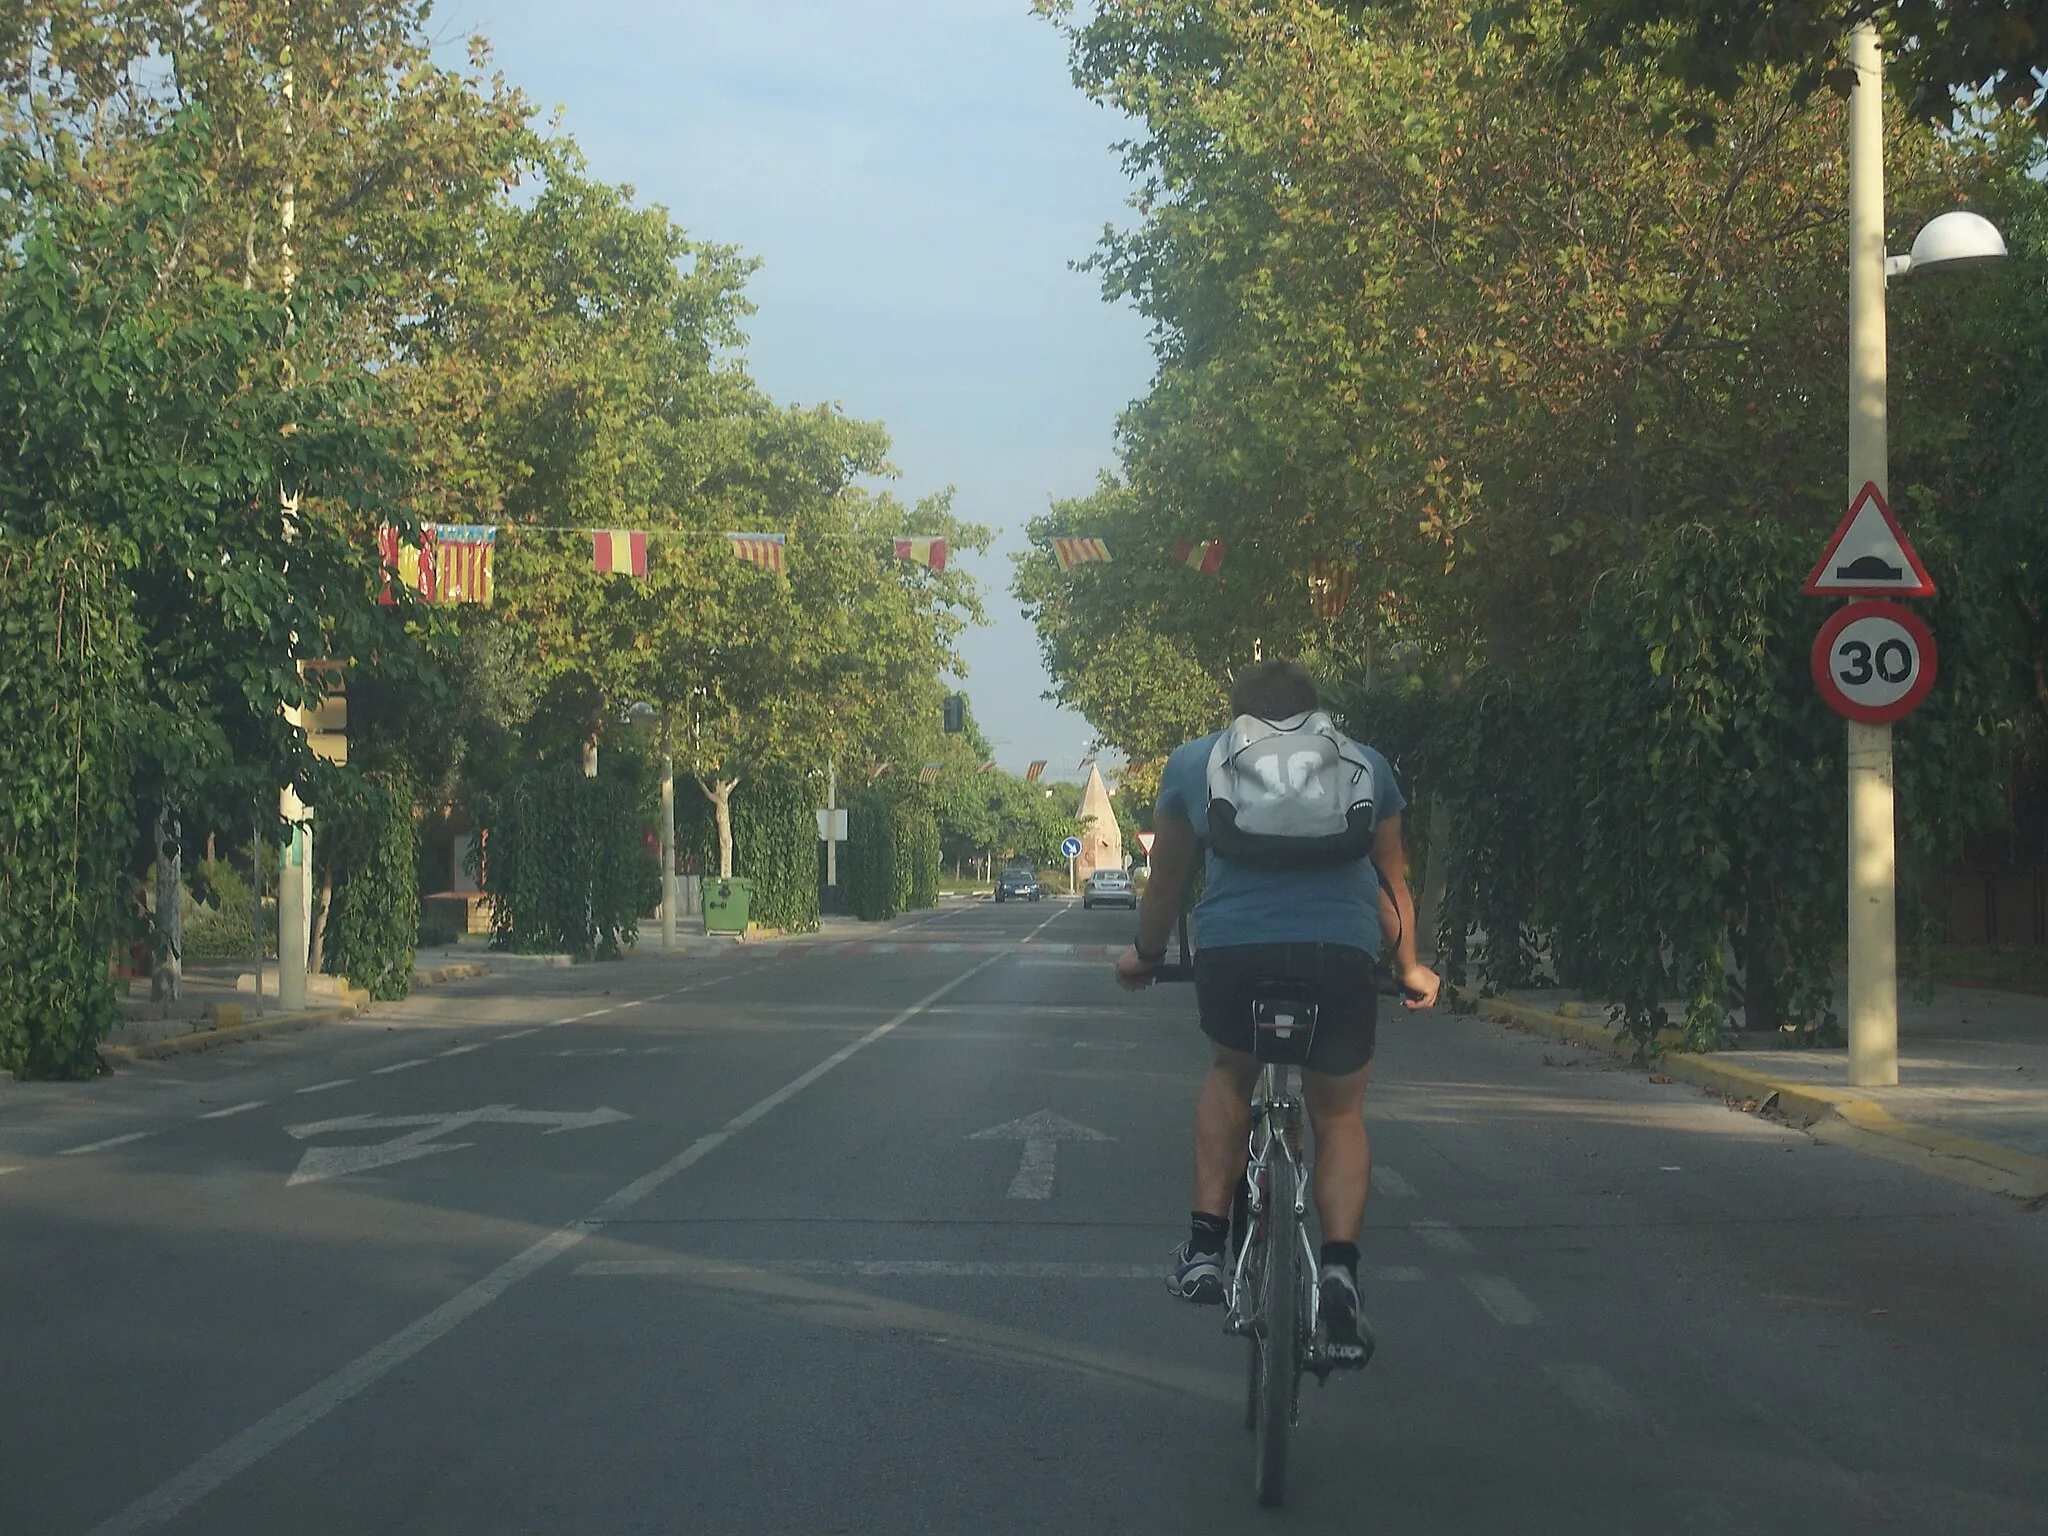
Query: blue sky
[[916, 177]]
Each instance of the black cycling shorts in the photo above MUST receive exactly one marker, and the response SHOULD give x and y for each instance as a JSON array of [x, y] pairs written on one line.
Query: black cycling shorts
[[1346, 980]]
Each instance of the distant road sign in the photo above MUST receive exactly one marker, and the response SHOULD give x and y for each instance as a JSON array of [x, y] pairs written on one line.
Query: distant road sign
[[1874, 662], [1145, 842], [1869, 556], [1071, 848]]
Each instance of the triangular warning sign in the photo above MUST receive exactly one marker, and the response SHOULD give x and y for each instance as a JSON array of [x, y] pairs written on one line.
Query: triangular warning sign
[[1869, 556]]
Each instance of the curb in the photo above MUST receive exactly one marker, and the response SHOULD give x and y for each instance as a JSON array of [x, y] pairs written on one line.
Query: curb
[[1844, 1119], [223, 1035]]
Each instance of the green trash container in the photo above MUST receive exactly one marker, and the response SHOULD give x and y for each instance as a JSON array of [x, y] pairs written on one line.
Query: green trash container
[[727, 904]]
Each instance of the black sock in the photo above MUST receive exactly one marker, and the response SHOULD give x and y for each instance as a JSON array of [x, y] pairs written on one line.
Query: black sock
[[1206, 1233], [1344, 1254]]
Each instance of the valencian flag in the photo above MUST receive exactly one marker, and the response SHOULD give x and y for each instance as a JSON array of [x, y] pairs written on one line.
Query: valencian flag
[[617, 552], [1031, 774], [929, 552], [877, 771], [928, 772], [451, 565], [986, 768], [1206, 557], [1073, 552], [762, 549], [1330, 580]]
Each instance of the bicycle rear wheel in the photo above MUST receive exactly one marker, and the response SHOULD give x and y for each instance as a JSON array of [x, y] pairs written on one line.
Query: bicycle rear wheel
[[1278, 1342]]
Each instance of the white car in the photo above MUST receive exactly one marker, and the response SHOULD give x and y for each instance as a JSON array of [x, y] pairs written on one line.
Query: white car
[[1109, 888]]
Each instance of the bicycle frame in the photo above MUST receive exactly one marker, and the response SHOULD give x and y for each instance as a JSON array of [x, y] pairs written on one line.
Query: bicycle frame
[[1278, 1131]]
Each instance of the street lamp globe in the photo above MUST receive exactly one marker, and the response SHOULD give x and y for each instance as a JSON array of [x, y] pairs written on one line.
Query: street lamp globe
[[641, 715], [1957, 240]]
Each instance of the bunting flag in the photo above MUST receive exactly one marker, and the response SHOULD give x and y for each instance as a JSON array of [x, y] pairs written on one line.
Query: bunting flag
[[462, 562], [927, 552], [986, 768], [1330, 581], [1031, 774], [928, 772], [616, 552], [762, 549], [403, 562], [1073, 552], [877, 771], [1206, 557], [1086, 764]]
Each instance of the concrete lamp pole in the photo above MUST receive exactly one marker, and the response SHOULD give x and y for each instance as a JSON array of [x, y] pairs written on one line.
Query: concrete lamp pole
[[1951, 241]]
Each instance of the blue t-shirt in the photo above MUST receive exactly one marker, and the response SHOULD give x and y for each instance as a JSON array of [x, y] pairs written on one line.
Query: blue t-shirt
[[1245, 904]]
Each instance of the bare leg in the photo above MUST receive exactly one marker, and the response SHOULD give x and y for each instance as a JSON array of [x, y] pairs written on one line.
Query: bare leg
[[1223, 1127], [1343, 1172]]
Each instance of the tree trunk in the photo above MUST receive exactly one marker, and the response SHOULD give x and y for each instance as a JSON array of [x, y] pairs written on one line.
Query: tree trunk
[[323, 904], [166, 976], [719, 793]]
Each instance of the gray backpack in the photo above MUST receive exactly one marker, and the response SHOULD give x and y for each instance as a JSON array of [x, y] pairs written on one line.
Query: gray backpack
[[1294, 793]]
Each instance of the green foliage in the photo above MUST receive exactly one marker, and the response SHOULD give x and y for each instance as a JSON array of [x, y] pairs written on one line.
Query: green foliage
[[868, 861], [917, 857], [376, 918], [68, 693], [564, 861], [775, 844]]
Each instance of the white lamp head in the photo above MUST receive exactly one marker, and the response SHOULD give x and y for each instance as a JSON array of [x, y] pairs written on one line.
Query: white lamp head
[[1954, 241], [640, 716]]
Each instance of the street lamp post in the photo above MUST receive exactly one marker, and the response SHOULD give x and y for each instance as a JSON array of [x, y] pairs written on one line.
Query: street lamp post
[[1950, 242]]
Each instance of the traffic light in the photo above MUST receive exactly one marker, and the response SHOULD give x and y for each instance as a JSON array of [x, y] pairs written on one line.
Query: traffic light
[[956, 714]]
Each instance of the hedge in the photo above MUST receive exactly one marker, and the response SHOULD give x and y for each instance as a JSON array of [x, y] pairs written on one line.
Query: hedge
[[376, 920], [564, 861]]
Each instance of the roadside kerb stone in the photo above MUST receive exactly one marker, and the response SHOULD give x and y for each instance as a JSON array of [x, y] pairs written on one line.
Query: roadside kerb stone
[[1842, 1119]]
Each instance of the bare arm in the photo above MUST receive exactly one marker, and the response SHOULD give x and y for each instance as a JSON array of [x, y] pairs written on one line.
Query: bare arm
[[1174, 850], [1397, 917]]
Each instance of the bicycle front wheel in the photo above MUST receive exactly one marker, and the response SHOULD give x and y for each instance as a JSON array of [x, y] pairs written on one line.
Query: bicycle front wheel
[[1278, 1340]]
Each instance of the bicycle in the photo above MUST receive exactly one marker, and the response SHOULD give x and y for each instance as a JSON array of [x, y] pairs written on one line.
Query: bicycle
[[1272, 1298]]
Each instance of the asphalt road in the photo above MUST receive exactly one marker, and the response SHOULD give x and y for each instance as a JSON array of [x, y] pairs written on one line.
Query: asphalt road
[[717, 1245]]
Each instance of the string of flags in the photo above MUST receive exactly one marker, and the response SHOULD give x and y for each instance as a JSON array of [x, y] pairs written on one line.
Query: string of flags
[[1331, 578], [1073, 552], [1205, 556]]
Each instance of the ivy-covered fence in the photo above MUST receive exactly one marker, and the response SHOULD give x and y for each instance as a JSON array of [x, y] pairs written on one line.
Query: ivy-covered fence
[[69, 692], [376, 920], [565, 862], [892, 858], [774, 844]]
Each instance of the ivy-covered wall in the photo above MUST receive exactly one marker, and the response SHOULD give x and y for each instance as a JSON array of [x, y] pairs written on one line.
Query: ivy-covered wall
[[918, 857], [565, 862], [774, 844], [69, 691], [376, 920], [867, 864]]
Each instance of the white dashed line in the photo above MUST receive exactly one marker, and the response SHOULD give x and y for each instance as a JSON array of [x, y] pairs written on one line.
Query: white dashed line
[[101, 1146], [222, 1114], [521, 1034], [1389, 1183], [1597, 1392], [1504, 1300], [1396, 1274], [16, 1168], [970, 1269], [1441, 1236], [399, 1066], [460, 1050], [339, 1082]]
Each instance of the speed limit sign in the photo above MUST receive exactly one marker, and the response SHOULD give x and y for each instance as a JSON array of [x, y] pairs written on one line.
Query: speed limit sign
[[1873, 662]]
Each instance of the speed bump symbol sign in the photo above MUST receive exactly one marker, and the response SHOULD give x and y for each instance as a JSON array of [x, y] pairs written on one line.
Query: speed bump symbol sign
[[1874, 662], [1869, 555]]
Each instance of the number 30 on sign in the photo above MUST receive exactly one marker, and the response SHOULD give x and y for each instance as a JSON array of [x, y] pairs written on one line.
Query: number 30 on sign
[[1873, 662]]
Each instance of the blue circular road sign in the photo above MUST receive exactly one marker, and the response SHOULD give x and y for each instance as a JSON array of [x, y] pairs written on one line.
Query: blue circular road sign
[[1071, 847]]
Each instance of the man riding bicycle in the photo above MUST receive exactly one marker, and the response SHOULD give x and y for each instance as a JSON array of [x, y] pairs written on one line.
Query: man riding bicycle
[[1258, 921]]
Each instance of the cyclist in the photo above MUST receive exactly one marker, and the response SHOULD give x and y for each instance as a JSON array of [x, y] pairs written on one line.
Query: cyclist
[[1323, 926]]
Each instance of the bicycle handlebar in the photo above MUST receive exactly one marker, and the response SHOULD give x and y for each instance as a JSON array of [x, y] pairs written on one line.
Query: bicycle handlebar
[[1181, 972]]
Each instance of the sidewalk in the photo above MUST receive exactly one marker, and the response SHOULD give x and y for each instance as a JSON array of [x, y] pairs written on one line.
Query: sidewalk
[[1971, 1104]]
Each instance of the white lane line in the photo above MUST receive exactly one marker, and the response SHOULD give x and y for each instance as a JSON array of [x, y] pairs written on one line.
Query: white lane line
[[101, 1146], [339, 1082], [1504, 1300], [1034, 933], [971, 1269], [1396, 1274], [459, 1050], [237, 1109], [399, 1066], [521, 1034], [15, 1168], [1596, 1392], [1389, 1183], [1441, 1236], [172, 1499]]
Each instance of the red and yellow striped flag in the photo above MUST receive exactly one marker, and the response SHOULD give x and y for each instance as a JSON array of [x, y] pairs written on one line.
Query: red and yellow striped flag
[[618, 552], [927, 552], [1073, 552], [928, 772], [1330, 580], [762, 549], [462, 562], [1206, 557], [1031, 774]]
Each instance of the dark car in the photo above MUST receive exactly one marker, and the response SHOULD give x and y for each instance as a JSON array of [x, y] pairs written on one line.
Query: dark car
[[1109, 888], [1017, 884]]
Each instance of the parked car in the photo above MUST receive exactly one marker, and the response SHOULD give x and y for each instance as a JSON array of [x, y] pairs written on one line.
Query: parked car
[[1109, 888], [1017, 884]]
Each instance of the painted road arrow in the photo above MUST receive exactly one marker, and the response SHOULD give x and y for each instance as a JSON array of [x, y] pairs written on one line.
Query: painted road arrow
[[424, 1137], [1041, 1131]]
